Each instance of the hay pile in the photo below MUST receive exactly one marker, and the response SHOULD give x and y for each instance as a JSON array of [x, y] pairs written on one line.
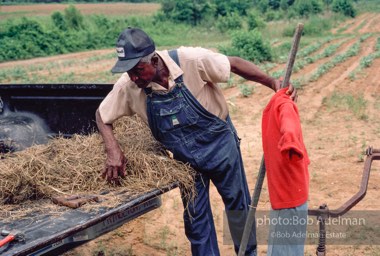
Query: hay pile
[[69, 166]]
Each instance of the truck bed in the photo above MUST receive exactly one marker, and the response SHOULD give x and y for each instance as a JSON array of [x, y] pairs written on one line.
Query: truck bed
[[52, 234], [64, 109]]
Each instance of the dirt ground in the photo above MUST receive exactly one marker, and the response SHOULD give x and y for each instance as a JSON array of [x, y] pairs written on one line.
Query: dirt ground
[[118, 9], [339, 117]]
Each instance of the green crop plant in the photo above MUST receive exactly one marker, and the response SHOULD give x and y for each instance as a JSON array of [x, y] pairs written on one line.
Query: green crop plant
[[277, 74], [362, 24], [366, 61], [246, 90], [377, 47], [325, 67], [352, 75], [365, 36], [330, 50]]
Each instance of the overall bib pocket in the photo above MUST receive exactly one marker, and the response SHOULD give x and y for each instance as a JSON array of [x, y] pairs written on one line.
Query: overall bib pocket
[[175, 118]]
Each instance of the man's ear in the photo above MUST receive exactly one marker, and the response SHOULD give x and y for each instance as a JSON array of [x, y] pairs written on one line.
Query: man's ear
[[154, 60]]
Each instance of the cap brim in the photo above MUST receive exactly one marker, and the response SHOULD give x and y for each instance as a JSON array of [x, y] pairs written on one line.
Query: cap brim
[[122, 66]]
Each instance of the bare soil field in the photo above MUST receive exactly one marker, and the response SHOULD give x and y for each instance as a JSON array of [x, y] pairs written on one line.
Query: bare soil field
[[339, 116], [110, 9]]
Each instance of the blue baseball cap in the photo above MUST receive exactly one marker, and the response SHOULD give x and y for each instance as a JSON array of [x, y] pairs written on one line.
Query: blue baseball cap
[[132, 45]]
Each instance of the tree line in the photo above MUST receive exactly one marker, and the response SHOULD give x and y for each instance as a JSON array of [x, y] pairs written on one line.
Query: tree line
[[9, 2], [196, 12], [241, 20]]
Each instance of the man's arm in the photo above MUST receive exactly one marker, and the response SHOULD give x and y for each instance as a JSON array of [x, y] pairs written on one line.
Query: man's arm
[[250, 71], [115, 163]]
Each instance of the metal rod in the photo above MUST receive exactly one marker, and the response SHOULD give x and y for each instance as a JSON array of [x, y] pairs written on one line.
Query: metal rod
[[372, 154]]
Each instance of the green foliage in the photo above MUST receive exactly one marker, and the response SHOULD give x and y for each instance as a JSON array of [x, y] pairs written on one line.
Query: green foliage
[[254, 21], [377, 46], [281, 50], [249, 45], [274, 4], [27, 39], [273, 15], [262, 6], [224, 7], [306, 8], [59, 21], [356, 104], [314, 26], [246, 90], [231, 21], [366, 61], [284, 5], [14, 2], [187, 11], [69, 31], [195, 12], [325, 67], [345, 7], [73, 18]]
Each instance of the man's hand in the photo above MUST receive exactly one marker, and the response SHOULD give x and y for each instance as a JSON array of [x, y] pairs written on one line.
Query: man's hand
[[291, 90], [115, 166]]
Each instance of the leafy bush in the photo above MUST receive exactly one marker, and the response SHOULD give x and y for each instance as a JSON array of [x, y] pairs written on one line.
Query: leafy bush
[[224, 7], [59, 21], [345, 7], [22, 40], [187, 11], [73, 18], [314, 26], [249, 45], [254, 21], [26, 38], [273, 15], [229, 22], [306, 8], [281, 50]]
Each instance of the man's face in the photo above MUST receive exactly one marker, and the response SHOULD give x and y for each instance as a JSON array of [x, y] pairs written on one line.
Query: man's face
[[142, 74]]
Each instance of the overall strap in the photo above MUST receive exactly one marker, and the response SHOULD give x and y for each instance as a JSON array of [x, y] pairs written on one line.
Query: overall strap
[[174, 55]]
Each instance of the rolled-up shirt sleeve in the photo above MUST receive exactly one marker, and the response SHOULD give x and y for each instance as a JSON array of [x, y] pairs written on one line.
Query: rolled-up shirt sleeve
[[116, 104], [290, 129], [214, 67]]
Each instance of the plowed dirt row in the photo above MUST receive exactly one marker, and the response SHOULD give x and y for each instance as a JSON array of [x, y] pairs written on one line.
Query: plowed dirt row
[[346, 42], [331, 79], [357, 22], [118, 9]]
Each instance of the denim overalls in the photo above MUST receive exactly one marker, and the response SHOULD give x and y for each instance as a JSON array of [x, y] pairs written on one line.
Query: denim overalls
[[211, 146]]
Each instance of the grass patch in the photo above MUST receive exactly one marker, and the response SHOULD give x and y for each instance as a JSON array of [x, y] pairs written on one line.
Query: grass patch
[[246, 89], [355, 104]]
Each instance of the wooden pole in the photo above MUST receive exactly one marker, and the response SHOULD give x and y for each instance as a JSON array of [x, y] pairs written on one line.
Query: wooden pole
[[261, 175]]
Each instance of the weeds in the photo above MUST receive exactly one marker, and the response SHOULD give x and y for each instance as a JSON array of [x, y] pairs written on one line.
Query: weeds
[[356, 104], [230, 83], [246, 90]]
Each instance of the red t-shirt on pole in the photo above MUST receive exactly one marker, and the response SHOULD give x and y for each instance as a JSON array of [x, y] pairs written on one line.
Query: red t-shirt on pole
[[285, 155]]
